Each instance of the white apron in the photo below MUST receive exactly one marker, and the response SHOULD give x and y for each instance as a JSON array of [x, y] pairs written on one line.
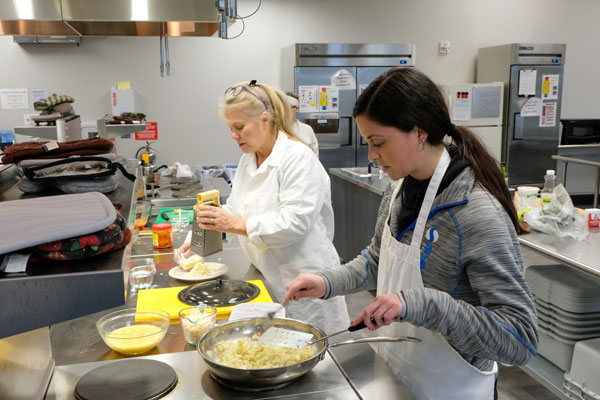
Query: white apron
[[431, 369]]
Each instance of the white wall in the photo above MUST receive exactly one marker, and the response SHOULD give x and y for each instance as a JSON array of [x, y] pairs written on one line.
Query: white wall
[[184, 105]]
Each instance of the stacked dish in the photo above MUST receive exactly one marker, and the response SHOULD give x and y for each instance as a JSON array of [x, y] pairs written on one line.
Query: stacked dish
[[568, 306], [581, 382]]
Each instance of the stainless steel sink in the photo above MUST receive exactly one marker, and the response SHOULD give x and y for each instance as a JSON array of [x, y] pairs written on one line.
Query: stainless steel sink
[[362, 172]]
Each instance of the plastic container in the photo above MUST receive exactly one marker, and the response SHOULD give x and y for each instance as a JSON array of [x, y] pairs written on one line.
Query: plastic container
[[195, 323], [573, 318], [583, 378], [564, 287], [129, 331], [549, 185], [556, 349], [527, 196], [162, 235]]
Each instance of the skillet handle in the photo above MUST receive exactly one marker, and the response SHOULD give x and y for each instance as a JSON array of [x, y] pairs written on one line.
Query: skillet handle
[[357, 327], [376, 340]]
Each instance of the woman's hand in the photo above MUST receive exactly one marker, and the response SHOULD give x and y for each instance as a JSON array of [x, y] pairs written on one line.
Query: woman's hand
[[218, 219], [384, 310], [305, 285], [185, 249]]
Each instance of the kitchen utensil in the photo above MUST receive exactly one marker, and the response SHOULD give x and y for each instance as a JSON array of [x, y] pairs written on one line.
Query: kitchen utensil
[[295, 339], [166, 299], [154, 324], [260, 378], [204, 241], [219, 293]]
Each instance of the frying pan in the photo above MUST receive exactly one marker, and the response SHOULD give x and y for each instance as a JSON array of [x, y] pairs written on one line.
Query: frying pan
[[257, 378]]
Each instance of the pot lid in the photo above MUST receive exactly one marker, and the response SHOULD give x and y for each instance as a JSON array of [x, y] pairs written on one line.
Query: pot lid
[[219, 293]]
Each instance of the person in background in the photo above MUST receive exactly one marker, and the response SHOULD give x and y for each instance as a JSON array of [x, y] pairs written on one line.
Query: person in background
[[445, 258], [302, 130], [280, 203]]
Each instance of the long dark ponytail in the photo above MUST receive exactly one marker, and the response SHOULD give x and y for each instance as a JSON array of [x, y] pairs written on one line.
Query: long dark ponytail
[[404, 98]]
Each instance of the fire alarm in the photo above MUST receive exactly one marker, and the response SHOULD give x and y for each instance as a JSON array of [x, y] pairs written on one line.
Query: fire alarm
[[444, 47]]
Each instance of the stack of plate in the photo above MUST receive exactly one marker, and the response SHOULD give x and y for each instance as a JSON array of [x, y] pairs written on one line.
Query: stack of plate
[[568, 306]]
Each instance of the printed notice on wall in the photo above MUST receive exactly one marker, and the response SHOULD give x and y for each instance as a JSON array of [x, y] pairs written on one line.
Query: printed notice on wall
[[527, 78], [548, 117], [329, 99], [38, 95], [532, 107], [461, 107], [343, 80], [550, 87], [487, 101], [308, 98], [14, 98]]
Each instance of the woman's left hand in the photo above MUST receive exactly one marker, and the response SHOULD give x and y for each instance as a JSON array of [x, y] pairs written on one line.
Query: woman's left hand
[[218, 219], [384, 310]]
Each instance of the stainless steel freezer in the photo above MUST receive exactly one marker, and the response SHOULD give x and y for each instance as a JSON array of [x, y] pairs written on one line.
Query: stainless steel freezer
[[533, 78], [329, 77]]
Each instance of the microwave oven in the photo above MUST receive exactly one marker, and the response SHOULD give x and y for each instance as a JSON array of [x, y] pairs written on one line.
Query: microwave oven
[[580, 131]]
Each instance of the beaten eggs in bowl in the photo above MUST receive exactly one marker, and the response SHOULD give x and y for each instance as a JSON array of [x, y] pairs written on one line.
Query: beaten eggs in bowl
[[131, 332]]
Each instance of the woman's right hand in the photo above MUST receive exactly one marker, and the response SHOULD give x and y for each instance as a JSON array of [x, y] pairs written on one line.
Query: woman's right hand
[[305, 285]]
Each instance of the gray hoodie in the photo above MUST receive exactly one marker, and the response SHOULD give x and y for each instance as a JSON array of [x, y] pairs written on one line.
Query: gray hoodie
[[475, 293]]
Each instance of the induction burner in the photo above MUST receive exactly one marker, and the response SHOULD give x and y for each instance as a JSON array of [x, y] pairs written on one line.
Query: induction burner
[[237, 386], [219, 293], [127, 380]]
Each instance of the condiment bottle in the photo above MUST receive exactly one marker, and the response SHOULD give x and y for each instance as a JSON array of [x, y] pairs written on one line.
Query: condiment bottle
[[162, 235], [549, 184]]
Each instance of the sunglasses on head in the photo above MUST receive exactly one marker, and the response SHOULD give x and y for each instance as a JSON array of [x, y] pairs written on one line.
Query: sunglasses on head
[[236, 90]]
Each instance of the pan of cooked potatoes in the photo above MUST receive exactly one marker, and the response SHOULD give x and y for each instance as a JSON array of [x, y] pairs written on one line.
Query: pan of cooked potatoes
[[233, 353]]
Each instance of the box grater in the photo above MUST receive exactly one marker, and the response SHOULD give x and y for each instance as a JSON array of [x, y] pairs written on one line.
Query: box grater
[[204, 241]]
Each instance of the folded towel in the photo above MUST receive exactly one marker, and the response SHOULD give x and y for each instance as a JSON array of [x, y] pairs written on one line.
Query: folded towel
[[35, 150], [178, 170]]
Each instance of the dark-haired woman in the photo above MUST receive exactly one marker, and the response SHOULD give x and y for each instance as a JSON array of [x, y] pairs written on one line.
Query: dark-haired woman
[[445, 258]]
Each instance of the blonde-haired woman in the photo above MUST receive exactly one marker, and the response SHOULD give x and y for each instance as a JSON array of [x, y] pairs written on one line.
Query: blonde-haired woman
[[280, 203]]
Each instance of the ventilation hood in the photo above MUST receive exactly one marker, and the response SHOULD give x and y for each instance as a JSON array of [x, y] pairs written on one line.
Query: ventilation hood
[[114, 17]]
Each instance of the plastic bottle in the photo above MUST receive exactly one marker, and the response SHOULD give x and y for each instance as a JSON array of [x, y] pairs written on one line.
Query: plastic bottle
[[549, 184]]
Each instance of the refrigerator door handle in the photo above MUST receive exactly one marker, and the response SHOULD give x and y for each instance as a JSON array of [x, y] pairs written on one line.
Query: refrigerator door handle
[[518, 131]]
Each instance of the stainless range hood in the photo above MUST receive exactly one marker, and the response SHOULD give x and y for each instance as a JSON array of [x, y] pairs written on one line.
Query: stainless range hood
[[113, 17]]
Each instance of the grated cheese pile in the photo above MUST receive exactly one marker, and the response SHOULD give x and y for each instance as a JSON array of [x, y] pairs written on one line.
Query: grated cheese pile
[[249, 354]]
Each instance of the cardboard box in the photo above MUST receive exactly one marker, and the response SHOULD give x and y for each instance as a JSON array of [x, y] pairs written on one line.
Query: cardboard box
[[122, 100]]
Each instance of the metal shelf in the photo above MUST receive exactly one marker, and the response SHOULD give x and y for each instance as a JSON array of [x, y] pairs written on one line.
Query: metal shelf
[[45, 132], [113, 131], [547, 374]]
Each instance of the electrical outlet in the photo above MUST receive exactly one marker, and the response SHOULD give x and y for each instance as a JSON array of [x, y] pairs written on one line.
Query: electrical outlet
[[444, 47]]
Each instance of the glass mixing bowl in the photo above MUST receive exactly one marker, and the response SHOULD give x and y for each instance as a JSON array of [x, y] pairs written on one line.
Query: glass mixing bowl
[[132, 332]]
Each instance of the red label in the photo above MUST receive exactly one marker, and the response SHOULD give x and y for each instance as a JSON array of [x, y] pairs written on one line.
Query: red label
[[114, 96], [151, 132]]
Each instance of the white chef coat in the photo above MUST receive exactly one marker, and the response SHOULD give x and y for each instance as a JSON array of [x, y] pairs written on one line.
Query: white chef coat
[[307, 135], [289, 221]]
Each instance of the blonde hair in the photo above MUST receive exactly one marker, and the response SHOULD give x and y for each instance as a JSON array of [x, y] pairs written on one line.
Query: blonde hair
[[255, 99]]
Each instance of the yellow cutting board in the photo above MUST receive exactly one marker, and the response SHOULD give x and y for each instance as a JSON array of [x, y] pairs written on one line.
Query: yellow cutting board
[[166, 299]]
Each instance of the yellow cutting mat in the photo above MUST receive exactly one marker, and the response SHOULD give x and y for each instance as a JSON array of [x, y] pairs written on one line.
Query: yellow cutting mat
[[166, 299]]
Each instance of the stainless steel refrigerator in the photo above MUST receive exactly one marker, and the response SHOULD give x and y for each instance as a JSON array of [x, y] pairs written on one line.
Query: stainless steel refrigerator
[[329, 77], [533, 77]]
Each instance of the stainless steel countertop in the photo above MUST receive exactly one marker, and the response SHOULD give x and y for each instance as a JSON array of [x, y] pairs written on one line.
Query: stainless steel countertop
[[325, 381], [373, 183], [347, 372], [583, 255]]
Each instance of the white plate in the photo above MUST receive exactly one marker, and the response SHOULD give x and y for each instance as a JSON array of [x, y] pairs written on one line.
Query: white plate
[[218, 268]]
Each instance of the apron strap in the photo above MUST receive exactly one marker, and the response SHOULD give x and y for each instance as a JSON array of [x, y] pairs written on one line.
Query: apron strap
[[432, 189]]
